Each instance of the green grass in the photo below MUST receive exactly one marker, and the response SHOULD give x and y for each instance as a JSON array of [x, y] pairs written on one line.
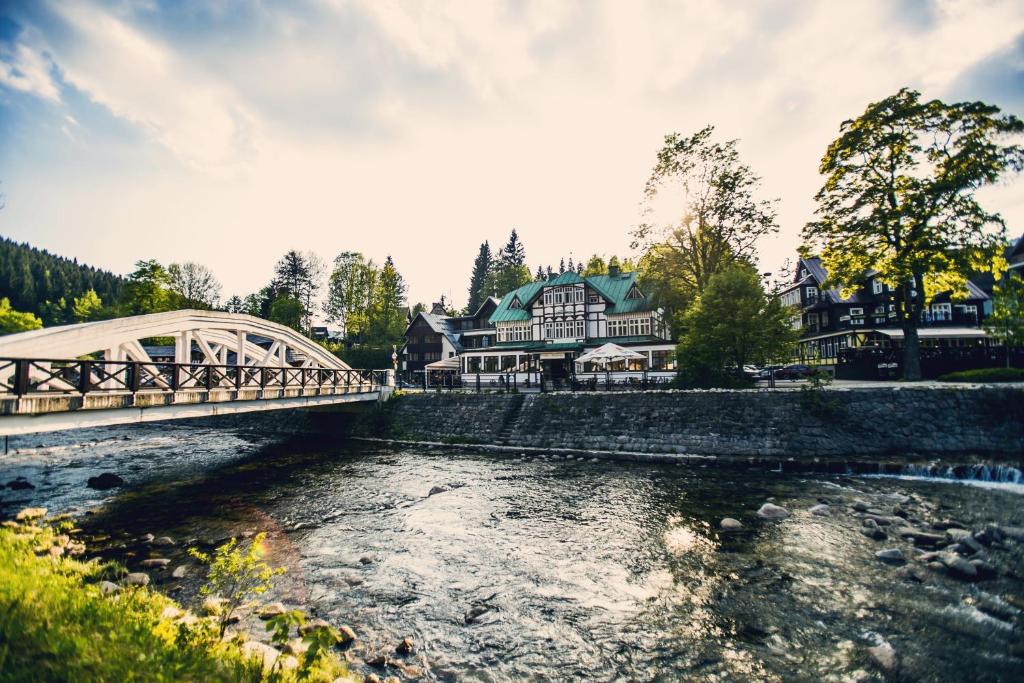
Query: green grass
[[985, 375], [56, 625]]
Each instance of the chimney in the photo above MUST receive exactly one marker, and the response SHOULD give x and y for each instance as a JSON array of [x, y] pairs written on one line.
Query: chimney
[[613, 270], [438, 309]]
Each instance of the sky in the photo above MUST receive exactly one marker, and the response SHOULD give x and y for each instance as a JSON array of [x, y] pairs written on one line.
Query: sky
[[229, 131]]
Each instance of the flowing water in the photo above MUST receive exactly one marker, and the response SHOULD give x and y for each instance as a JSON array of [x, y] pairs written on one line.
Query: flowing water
[[550, 569]]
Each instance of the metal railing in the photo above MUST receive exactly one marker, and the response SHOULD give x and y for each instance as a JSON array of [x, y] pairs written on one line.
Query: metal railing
[[22, 376]]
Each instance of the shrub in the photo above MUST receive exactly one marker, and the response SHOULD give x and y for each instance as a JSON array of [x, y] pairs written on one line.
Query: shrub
[[985, 375]]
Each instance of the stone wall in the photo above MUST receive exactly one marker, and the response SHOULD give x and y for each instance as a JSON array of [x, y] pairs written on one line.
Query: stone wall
[[855, 422]]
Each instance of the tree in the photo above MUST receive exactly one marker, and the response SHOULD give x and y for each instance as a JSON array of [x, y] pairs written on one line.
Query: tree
[[388, 309], [194, 284], [540, 274], [757, 329], [235, 305], [298, 276], [12, 321], [899, 199], [510, 271], [88, 307], [595, 266], [148, 290], [350, 293], [478, 280], [1007, 320], [417, 309], [720, 219], [288, 311]]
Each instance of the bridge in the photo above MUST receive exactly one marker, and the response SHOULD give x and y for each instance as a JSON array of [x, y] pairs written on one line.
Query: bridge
[[210, 363]]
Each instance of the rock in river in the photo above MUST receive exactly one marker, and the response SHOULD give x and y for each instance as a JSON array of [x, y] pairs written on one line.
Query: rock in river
[[28, 514], [107, 480], [821, 510], [137, 579], [958, 566], [730, 524], [770, 511], [272, 609], [436, 490], [891, 556], [884, 655], [155, 562]]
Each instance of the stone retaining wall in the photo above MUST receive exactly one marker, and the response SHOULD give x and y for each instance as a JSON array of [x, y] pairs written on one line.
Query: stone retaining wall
[[865, 422]]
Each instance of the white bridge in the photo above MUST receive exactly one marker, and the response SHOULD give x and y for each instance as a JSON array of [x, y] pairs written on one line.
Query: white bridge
[[100, 373]]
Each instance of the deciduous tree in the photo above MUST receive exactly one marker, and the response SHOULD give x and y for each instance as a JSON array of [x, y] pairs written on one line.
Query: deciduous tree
[[15, 321], [899, 199], [194, 284], [720, 219], [1007, 320]]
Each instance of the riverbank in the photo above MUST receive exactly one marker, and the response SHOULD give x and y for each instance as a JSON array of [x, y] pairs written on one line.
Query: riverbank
[[805, 423], [63, 618]]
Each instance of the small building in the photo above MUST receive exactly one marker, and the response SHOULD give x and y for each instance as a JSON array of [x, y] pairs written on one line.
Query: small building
[[436, 336]]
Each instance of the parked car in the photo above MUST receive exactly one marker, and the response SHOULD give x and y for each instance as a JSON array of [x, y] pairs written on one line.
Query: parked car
[[795, 371], [751, 372]]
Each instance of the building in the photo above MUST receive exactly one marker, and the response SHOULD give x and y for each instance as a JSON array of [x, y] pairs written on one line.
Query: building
[[436, 336], [542, 327], [831, 323]]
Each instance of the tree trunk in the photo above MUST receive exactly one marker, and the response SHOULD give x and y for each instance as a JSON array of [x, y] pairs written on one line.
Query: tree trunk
[[911, 354]]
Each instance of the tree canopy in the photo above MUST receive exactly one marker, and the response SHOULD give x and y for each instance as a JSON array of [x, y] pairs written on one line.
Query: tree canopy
[[720, 218], [757, 330], [12, 321], [899, 200]]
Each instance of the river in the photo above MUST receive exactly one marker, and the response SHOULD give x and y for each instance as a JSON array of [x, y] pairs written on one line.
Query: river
[[549, 569]]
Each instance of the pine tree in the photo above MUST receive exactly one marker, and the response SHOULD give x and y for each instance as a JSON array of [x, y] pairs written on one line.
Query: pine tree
[[540, 274], [482, 267], [561, 266]]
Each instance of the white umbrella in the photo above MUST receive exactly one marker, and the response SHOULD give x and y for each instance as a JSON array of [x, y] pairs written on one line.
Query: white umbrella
[[609, 353]]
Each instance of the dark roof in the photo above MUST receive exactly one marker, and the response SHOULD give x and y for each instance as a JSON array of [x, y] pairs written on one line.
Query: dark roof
[[440, 324], [818, 272]]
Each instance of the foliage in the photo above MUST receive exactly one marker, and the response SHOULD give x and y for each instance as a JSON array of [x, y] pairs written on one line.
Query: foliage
[[56, 625], [478, 279], [350, 293], [362, 356], [88, 307], [1006, 323], [509, 271], [899, 199], [15, 321], [985, 375], [734, 323], [288, 311], [387, 312], [148, 290], [298, 276], [720, 219], [815, 400], [194, 285], [42, 283], [236, 574]]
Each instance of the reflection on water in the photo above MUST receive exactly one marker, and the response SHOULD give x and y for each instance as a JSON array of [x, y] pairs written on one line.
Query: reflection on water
[[532, 568]]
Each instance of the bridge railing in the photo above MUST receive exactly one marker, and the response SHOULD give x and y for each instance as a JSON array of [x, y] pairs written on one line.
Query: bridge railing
[[22, 376]]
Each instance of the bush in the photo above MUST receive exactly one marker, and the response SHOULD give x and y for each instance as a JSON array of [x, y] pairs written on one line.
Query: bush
[[985, 375], [56, 623]]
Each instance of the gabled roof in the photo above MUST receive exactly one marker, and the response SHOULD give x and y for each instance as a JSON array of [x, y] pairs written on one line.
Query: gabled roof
[[818, 272], [441, 325], [612, 288]]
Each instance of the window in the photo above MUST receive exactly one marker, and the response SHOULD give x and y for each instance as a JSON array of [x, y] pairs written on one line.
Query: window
[[549, 330], [942, 311], [515, 304], [856, 311], [812, 295], [663, 360], [593, 298], [490, 363], [474, 363], [824, 318], [632, 326], [634, 293], [556, 296], [508, 362], [877, 287], [803, 273]]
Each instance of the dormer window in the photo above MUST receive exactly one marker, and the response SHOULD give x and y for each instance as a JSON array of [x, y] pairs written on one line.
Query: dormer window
[[803, 273], [515, 304], [877, 287], [634, 293]]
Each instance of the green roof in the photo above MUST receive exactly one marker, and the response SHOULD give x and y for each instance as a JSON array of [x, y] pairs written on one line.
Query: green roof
[[613, 288]]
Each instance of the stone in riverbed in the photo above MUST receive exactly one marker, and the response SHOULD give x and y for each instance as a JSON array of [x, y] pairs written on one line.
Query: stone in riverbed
[[365, 559], [137, 579], [28, 514], [821, 510], [983, 568], [313, 625], [947, 524], [859, 506], [163, 541], [436, 490], [925, 539], [771, 511], [968, 546], [884, 655], [957, 534], [155, 562], [20, 484], [958, 566], [179, 572], [891, 556], [272, 609], [1014, 532], [108, 587], [730, 524], [105, 481], [874, 532], [405, 647]]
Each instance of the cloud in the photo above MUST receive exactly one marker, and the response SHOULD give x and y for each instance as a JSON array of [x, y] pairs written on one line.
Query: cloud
[[139, 79], [26, 70]]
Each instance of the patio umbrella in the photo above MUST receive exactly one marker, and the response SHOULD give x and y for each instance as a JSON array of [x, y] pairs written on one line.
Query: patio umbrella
[[609, 353]]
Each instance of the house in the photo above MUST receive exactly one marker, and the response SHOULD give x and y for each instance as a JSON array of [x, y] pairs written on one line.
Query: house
[[436, 336], [541, 328], [830, 323]]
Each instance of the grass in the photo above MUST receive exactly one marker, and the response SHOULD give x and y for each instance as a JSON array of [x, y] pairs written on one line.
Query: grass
[[985, 375], [57, 625]]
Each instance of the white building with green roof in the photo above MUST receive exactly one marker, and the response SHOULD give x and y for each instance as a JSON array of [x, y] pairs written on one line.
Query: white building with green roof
[[542, 327]]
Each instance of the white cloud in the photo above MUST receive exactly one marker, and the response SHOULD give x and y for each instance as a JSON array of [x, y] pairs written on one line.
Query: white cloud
[[24, 69]]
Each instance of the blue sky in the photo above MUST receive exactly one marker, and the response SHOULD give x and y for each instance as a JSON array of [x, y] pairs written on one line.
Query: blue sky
[[227, 132]]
